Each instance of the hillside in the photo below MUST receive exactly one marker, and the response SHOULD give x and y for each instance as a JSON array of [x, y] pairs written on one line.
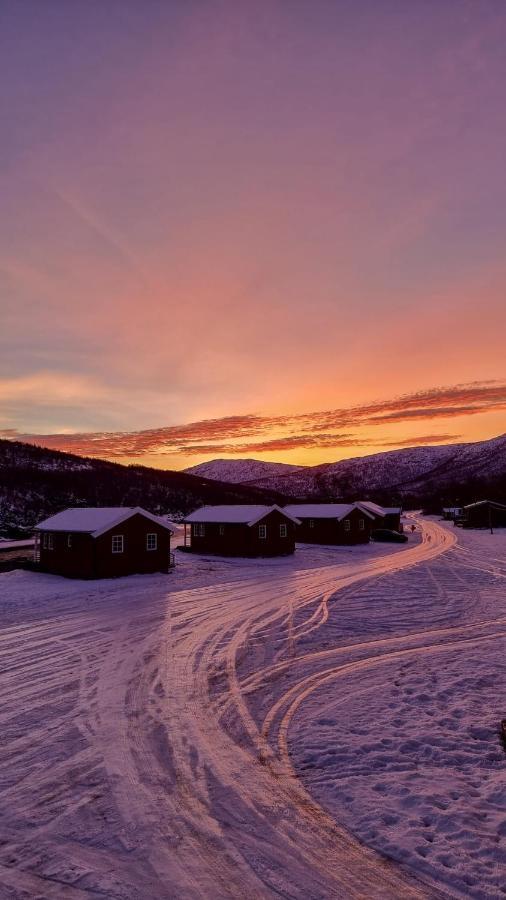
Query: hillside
[[35, 482], [416, 474]]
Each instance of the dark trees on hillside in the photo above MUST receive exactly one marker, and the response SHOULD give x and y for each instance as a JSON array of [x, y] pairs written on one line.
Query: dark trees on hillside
[[35, 483]]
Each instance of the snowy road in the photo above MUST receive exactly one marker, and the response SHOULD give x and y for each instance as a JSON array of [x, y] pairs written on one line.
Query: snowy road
[[146, 747]]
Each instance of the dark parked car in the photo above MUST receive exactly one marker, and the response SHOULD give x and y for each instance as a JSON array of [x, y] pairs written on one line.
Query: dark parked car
[[384, 534]]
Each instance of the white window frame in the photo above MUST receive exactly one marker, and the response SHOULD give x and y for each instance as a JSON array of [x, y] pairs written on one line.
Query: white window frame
[[195, 529], [202, 530], [47, 540], [69, 542], [347, 525], [262, 532], [283, 530], [117, 543], [221, 530], [361, 524], [311, 523], [154, 543]]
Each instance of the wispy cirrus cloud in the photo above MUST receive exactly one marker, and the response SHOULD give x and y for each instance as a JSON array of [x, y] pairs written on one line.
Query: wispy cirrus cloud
[[422, 440], [317, 441], [278, 433], [438, 412], [437, 403], [290, 442]]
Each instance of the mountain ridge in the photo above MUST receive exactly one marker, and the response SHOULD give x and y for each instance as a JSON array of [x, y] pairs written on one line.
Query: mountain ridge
[[408, 472]]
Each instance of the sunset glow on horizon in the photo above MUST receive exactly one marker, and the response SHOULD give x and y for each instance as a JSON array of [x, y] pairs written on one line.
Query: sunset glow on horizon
[[239, 229]]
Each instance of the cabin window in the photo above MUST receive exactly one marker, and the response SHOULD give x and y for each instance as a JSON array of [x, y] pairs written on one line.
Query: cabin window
[[221, 530], [47, 541], [195, 530], [361, 524], [69, 541], [202, 530], [283, 531], [347, 525], [262, 532], [311, 523], [151, 541], [117, 544]]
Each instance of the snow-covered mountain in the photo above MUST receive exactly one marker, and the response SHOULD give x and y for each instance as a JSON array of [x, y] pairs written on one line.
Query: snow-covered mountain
[[414, 471], [241, 471]]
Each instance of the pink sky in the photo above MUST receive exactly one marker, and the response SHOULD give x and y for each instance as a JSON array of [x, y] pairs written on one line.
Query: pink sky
[[213, 212]]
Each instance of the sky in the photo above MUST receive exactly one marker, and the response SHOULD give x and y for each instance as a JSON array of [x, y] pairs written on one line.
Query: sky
[[252, 229]]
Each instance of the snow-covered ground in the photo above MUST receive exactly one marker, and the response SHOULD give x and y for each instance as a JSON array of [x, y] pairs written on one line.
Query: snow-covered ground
[[259, 728], [404, 749]]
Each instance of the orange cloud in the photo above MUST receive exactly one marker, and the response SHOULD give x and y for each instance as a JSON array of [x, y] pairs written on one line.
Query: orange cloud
[[438, 412], [315, 430], [290, 442], [421, 440]]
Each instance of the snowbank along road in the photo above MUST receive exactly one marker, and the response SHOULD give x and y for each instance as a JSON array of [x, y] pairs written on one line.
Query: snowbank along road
[[161, 734]]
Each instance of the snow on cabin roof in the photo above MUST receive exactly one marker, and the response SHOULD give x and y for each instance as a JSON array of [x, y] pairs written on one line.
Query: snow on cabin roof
[[95, 520], [378, 510], [323, 510], [242, 514], [493, 503], [375, 508]]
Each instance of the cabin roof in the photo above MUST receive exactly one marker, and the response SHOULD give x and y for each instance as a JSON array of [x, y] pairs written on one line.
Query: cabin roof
[[378, 510], [492, 503], [374, 508], [242, 514], [96, 520], [324, 510]]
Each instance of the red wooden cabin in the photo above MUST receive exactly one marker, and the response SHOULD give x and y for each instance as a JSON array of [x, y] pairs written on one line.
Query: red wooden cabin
[[241, 530], [102, 542], [384, 516], [483, 514], [331, 523]]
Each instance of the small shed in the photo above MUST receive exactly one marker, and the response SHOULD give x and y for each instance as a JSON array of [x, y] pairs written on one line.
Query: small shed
[[331, 523], [242, 530], [483, 514], [384, 516], [450, 513], [102, 542]]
